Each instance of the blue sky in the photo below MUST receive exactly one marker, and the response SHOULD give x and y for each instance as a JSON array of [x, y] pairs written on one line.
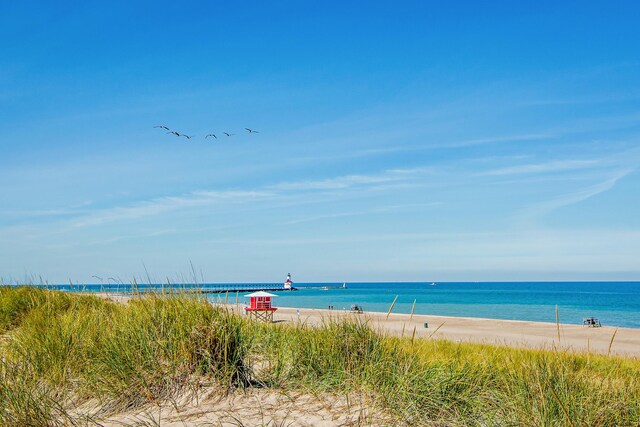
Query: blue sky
[[412, 141]]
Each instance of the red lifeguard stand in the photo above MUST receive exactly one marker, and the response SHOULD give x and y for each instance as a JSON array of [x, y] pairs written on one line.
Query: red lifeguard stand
[[260, 306]]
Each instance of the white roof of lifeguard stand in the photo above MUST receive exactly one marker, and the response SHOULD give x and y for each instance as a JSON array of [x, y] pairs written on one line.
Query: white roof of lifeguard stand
[[260, 294]]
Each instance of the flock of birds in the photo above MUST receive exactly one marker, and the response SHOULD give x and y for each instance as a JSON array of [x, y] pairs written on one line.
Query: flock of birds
[[178, 134]]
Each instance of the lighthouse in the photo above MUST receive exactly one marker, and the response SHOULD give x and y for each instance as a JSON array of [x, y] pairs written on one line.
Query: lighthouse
[[288, 284]]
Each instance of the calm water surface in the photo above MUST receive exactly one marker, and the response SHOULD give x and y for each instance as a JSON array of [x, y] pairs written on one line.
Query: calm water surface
[[614, 303]]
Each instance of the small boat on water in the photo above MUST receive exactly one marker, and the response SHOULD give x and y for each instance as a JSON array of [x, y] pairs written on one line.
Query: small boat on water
[[433, 284], [329, 287]]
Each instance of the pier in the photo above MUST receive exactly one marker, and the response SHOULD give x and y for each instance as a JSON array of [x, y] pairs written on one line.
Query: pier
[[244, 288], [205, 288]]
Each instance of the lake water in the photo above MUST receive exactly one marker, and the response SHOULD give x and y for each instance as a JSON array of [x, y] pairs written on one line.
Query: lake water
[[614, 303]]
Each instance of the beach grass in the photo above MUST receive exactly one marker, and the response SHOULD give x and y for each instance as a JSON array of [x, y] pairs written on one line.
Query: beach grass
[[60, 351]]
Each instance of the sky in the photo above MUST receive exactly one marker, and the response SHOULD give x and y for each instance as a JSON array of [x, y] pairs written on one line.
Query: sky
[[397, 141]]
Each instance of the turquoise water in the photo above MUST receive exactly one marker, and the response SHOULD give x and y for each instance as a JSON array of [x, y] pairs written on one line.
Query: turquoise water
[[614, 303]]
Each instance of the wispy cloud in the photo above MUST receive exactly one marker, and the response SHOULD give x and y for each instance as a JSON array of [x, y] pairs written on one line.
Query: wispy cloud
[[335, 183], [167, 204], [293, 193], [498, 139], [581, 100], [434, 145], [545, 208], [41, 213], [547, 167], [116, 239], [373, 211], [348, 181]]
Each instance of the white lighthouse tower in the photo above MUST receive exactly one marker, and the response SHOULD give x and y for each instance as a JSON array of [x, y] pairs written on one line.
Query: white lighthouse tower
[[288, 284]]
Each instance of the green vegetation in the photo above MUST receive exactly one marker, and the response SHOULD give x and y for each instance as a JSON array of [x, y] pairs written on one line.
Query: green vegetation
[[60, 350]]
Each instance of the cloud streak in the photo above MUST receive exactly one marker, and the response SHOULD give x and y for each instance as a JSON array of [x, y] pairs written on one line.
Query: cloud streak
[[293, 192], [540, 168], [545, 208], [379, 210], [167, 204], [349, 181]]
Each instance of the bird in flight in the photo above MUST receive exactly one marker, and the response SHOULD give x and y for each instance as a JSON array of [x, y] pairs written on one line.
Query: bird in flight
[[211, 134], [228, 134], [173, 132], [187, 136], [252, 131], [162, 127]]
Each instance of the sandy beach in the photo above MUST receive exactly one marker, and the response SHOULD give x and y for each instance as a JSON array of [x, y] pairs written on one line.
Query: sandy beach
[[513, 333]]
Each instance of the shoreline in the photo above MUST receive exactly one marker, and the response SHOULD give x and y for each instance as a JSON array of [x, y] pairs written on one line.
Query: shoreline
[[525, 334], [510, 333]]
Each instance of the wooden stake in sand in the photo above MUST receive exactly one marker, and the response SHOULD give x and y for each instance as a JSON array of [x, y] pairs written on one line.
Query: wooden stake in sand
[[611, 342], [558, 323], [413, 307], [391, 308]]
